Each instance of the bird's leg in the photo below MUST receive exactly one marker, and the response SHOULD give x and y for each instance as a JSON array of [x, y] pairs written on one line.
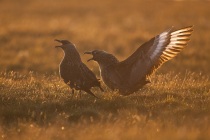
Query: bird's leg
[[71, 84], [80, 94], [77, 87], [72, 92]]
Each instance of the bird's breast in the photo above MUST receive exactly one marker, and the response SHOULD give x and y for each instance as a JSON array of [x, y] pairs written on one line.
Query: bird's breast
[[109, 78]]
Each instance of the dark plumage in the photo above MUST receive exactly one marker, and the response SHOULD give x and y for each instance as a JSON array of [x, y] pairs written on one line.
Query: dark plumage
[[133, 73], [74, 72]]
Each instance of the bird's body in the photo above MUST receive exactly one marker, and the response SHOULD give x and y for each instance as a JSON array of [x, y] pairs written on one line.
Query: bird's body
[[74, 72], [133, 73]]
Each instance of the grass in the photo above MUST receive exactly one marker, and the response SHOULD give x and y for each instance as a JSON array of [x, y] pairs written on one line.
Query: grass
[[36, 104], [43, 106]]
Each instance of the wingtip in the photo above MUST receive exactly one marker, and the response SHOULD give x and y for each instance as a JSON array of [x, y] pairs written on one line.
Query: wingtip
[[170, 29], [188, 27], [192, 27]]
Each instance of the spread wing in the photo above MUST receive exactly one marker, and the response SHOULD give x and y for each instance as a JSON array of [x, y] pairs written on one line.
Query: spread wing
[[152, 54]]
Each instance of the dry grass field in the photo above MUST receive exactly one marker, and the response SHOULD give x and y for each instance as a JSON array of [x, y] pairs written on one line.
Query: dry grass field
[[36, 104]]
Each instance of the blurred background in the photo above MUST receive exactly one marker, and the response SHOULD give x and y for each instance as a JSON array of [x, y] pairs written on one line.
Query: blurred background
[[28, 29]]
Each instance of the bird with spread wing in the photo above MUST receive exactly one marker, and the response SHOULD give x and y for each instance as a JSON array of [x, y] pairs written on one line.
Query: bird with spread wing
[[133, 73]]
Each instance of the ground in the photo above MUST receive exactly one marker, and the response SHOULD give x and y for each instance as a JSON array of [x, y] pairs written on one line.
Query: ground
[[36, 104]]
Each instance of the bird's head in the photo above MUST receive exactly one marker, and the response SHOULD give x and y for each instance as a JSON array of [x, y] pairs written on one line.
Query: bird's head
[[102, 57], [96, 55], [69, 50], [65, 44]]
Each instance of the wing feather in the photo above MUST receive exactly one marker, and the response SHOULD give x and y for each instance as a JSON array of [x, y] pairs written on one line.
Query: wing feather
[[152, 54], [177, 41]]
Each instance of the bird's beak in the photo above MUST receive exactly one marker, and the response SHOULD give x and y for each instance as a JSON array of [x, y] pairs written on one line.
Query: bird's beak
[[59, 42], [87, 52], [90, 58]]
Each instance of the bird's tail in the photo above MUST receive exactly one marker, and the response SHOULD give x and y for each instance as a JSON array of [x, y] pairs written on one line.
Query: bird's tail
[[91, 93], [101, 88]]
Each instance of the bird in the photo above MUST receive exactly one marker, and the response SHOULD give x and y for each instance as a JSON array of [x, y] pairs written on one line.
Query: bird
[[74, 72], [131, 74]]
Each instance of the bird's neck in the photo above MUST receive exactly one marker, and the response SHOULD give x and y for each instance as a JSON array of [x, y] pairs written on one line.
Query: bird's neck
[[71, 57], [107, 61]]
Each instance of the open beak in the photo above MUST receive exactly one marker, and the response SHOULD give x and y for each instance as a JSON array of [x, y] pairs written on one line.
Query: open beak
[[90, 58], [87, 52], [57, 41]]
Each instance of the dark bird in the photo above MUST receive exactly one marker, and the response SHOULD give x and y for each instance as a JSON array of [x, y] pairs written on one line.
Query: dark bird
[[133, 73], [74, 72]]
